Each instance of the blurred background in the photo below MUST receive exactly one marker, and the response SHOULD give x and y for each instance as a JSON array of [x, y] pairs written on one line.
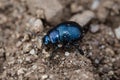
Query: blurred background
[[23, 23]]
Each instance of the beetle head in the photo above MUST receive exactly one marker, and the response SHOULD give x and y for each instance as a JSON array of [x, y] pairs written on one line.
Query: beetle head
[[46, 40]]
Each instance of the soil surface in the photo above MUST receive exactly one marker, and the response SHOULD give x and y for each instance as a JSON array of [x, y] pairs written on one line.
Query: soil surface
[[23, 25]]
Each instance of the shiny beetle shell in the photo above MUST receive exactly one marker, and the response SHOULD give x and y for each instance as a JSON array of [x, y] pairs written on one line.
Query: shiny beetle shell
[[66, 32]]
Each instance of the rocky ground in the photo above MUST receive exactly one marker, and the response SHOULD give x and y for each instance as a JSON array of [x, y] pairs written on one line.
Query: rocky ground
[[23, 23]]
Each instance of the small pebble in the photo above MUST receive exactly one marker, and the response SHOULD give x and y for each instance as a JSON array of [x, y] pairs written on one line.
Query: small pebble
[[60, 45], [97, 61], [113, 60], [90, 54], [39, 43], [38, 25], [102, 14], [18, 44], [111, 33], [111, 72], [35, 25], [21, 71], [110, 51], [102, 47], [34, 67], [2, 51], [84, 18], [67, 53], [95, 4], [27, 47], [42, 69], [45, 76], [20, 61], [117, 32], [94, 28], [26, 37], [76, 8], [46, 53], [32, 52], [40, 13], [27, 59], [3, 19]]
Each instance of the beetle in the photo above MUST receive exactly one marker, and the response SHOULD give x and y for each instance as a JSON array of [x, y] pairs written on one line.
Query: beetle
[[65, 33]]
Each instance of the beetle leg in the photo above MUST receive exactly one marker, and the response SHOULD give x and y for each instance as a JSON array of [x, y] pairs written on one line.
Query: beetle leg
[[79, 49], [52, 54], [66, 46]]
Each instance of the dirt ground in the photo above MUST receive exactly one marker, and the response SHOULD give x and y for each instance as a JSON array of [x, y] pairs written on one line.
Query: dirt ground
[[22, 26]]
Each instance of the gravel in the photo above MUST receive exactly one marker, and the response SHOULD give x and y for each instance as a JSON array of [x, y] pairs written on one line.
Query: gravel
[[117, 32], [95, 4], [32, 52], [23, 24], [67, 53], [36, 25], [83, 18], [94, 28], [50, 9]]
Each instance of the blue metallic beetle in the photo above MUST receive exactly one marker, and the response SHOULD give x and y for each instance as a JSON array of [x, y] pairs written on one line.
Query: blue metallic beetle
[[65, 33]]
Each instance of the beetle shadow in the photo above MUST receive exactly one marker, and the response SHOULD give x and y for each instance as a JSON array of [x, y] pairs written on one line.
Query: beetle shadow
[[59, 54]]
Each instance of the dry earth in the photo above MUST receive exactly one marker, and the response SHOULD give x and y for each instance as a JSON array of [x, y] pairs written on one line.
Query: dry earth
[[23, 23]]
